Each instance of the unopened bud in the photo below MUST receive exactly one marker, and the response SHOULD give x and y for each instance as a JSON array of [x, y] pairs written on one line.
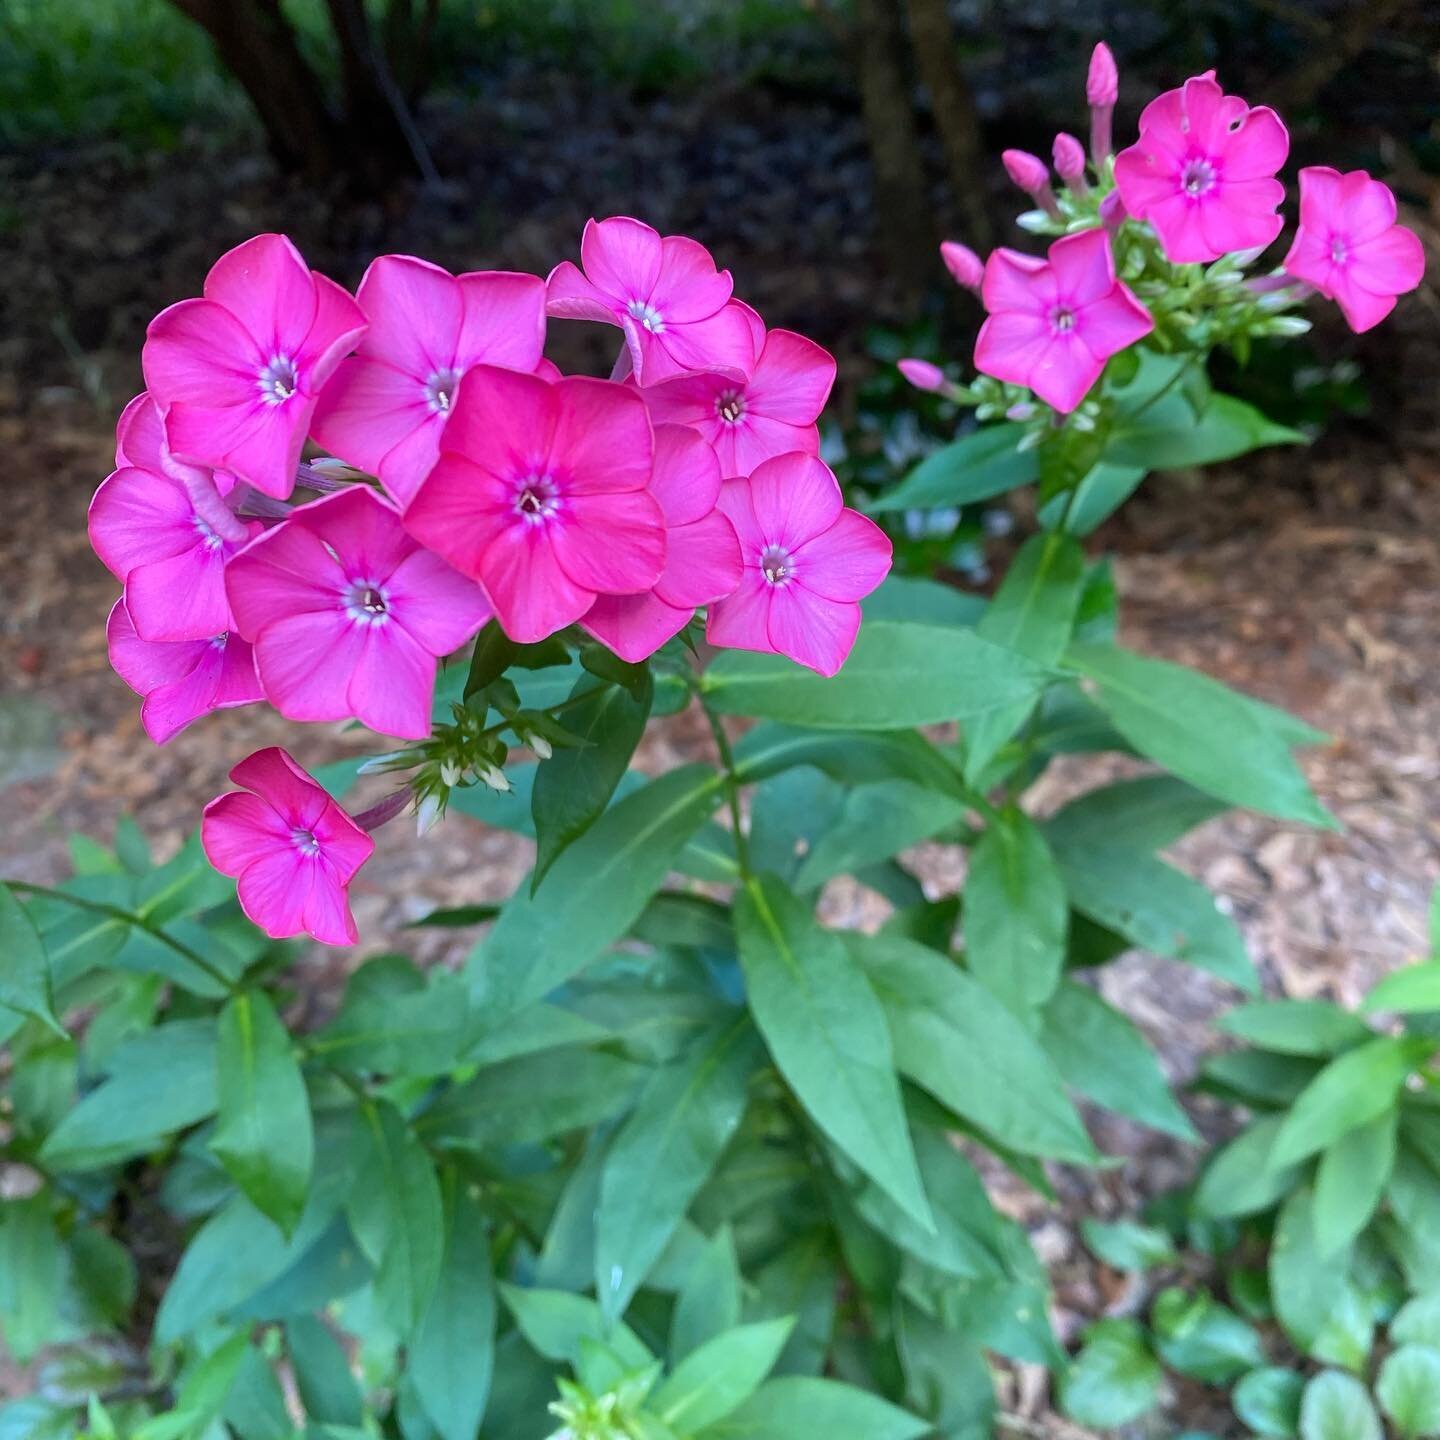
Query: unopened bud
[[922, 374], [541, 746], [1113, 213], [1029, 173], [427, 815], [376, 764], [1022, 411], [1102, 90], [1069, 157], [450, 772], [331, 469], [494, 777], [964, 265]]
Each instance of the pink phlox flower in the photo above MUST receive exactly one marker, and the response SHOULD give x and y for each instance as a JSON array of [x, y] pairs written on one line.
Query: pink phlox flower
[[181, 680], [665, 294], [540, 495], [1203, 171], [807, 559], [348, 614], [702, 555], [1349, 247], [386, 405], [1053, 323], [291, 848], [237, 374], [772, 413], [145, 527]]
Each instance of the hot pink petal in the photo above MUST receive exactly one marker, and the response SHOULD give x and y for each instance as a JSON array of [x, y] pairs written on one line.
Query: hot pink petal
[[239, 680], [504, 320], [738, 507], [458, 511], [1064, 374], [741, 621], [532, 594], [198, 352], [622, 256], [692, 400], [361, 527], [795, 497], [259, 443], [181, 597], [275, 776], [1367, 207], [345, 845], [140, 435], [1112, 323], [1259, 148], [1363, 309], [616, 544], [1181, 226], [689, 287], [1392, 263], [240, 828], [811, 630], [602, 437], [286, 572], [702, 563], [721, 343], [500, 418], [845, 563], [266, 285], [391, 684], [338, 327], [327, 912], [1012, 345], [1017, 282], [570, 296], [274, 892], [635, 626], [436, 605], [757, 438], [415, 311], [138, 516], [792, 380], [305, 665], [367, 414], [1244, 218], [686, 478], [1084, 268]]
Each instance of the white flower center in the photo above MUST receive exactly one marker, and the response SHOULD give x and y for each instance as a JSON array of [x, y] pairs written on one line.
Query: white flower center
[[304, 841], [278, 380], [777, 565], [1339, 251], [1062, 319], [208, 538], [730, 406], [1198, 177], [537, 497], [367, 602], [440, 390], [647, 315]]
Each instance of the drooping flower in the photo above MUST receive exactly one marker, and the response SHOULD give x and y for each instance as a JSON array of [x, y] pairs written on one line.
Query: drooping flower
[[237, 374], [665, 294], [1053, 323], [807, 562], [1349, 247], [291, 848], [180, 680], [702, 555], [145, 527], [772, 413], [348, 614], [1069, 157], [1203, 171], [1029, 173], [385, 407], [540, 495], [1102, 90]]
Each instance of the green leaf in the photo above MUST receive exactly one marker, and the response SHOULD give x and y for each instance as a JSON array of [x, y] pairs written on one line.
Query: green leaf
[[712, 1381], [1166, 435], [1337, 1406], [827, 1034], [255, 1407], [1155, 907], [954, 1039], [978, 466], [1351, 1090], [453, 1353], [25, 974], [322, 1373], [709, 1301], [1268, 1401], [1350, 1180], [263, 1135], [396, 1213], [1305, 1285], [1105, 488], [1124, 1245], [664, 1153], [797, 1405], [1295, 1027], [555, 1322], [1240, 1178], [1204, 732], [947, 1377], [1150, 811], [1102, 1055], [597, 889], [1408, 1389], [1203, 1339], [1347, 1334], [574, 786], [1412, 990], [1114, 1379], [1016, 913], [862, 758], [906, 597], [158, 1083], [1418, 1322], [32, 1268], [898, 675], [803, 1279]]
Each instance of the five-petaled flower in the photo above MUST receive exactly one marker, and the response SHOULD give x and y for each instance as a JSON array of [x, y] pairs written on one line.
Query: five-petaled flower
[[1203, 171], [1349, 246], [292, 849], [1053, 323], [664, 292], [807, 562], [348, 614], [387, 404], [237, 374], [540, 495]]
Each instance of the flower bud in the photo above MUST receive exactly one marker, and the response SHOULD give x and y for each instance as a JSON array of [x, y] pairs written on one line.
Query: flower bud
[[922, 374], [1069, 156], [450, 772], [427, 815], [1102, 89], [1112, 212], [541, 746], [377, 764], [964, 265], [494, 777]]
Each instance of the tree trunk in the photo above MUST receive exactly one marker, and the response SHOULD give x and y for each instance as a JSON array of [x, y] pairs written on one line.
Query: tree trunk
[[933, 39], [901, 203], [256, 44]]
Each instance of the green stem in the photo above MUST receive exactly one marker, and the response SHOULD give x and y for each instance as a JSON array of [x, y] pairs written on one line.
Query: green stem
[[732, 786]]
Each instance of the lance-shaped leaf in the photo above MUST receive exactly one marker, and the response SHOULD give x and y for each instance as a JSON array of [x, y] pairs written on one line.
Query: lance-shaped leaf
[[978, 466], [25, 984]]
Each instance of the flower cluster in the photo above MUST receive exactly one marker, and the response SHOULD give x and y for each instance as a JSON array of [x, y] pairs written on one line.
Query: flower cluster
[[1199, 187], [466, 479]]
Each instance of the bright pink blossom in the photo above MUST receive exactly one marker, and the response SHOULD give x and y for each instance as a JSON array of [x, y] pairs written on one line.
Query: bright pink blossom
[[145, 527], [1053, 323], [1102, 90], [1203, 171], [807, 560], [385, 407], [540, 495], [665, 294], [965, 266], [348, 614], [772, 413], [1349, 246], [237, 374], [702, 556], [180, 680], [292, 849]]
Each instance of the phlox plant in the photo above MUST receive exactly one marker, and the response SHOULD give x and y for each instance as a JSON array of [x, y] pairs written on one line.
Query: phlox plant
[[666, 1157]]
